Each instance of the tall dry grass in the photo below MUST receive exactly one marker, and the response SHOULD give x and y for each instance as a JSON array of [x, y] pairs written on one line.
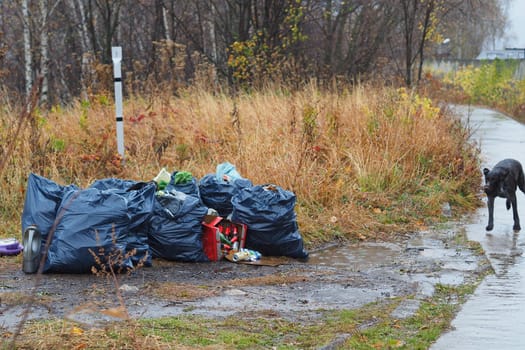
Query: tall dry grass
[[366, 162]]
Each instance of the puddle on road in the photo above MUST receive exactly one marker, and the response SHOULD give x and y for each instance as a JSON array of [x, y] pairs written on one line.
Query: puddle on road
[[11, 317], [427, 249], [356, 257], [285, 299]]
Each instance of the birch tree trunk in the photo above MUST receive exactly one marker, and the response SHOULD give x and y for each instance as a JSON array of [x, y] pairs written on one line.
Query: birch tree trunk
[[28, 57], [213, 42], [85, 65], [44, 53], [166, 23]]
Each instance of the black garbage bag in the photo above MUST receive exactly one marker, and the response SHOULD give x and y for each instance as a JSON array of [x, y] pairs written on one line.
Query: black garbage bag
[[184, 182], [269, 213], [94, 228], [117, 184], [43, 197], [137, 246], [217, 193], [175, 231]]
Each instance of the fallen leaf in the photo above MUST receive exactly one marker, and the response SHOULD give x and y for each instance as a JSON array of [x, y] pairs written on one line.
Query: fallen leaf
[[117, 312], [76, 331], [399, 343]]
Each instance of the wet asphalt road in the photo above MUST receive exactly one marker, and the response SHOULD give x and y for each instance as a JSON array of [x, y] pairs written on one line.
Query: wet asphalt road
[[494, 316]]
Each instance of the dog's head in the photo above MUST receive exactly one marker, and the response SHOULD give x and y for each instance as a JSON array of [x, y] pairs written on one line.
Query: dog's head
[[494, 180]]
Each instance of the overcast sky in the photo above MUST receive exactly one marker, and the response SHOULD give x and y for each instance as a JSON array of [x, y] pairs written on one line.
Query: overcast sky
[[516, 32]]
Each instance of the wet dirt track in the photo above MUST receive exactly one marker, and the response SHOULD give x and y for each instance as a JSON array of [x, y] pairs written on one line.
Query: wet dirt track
[[334, 278]]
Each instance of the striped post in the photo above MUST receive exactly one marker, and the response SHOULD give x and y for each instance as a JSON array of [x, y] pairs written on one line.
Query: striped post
[[116, 54]]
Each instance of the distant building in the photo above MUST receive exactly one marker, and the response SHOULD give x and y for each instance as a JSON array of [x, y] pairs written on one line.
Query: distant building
[[506, 54]]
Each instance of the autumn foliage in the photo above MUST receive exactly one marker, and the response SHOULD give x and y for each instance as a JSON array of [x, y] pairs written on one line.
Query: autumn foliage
[[363, 163]]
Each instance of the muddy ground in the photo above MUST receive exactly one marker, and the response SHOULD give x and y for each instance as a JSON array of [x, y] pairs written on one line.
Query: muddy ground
[[336, 277]]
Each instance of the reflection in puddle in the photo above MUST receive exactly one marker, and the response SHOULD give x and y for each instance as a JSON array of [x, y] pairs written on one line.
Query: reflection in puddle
[[493, 318]]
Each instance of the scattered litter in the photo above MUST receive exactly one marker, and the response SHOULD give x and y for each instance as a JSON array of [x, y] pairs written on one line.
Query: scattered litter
[[162, 179], [182, 177], [32, 241], [272, 261], [235, 292], [220, 236], [128, 288], [245, 255], [10, 246]]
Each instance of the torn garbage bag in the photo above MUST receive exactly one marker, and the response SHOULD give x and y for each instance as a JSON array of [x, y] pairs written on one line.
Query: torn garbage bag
[[269, 213], [94, 229], [175, 231]]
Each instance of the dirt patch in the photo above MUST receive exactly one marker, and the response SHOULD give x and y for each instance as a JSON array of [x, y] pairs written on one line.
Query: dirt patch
[[336, 277]]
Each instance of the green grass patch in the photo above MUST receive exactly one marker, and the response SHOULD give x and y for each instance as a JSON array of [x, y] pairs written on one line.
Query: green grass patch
[[416, 332]]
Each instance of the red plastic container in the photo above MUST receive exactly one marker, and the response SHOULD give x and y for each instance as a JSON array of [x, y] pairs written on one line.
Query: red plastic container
[[212, 229], [211, 241]]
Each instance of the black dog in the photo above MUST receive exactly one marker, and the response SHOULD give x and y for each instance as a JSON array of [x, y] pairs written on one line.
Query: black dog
[[502, 181]]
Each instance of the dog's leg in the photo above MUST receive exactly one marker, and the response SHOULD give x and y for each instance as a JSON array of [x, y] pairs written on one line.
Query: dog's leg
[[490, 205], [521, 181], [514, 203]]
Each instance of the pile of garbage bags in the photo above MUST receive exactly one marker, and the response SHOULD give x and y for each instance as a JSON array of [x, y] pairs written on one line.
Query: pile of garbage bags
[[121, 224]]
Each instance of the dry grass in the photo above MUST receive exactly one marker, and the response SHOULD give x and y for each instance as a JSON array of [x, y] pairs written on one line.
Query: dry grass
[[363, 163], [267, 280]]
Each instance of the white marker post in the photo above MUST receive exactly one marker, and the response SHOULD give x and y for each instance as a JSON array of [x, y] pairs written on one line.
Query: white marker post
[[116, 54]]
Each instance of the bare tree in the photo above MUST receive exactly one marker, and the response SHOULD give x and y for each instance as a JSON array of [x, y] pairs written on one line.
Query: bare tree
[[424, 22], [109, 16], [415, 17], [45, 12], [86, 53], [169, 41]]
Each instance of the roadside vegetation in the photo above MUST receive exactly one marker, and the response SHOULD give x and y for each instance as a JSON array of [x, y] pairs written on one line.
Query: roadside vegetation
[[370, 162], [492, 83]]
